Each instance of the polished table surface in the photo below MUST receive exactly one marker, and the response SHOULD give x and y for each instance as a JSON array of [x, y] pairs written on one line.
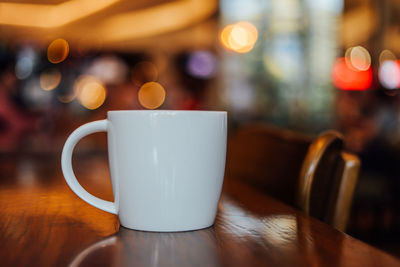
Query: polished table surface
[[43, 223]]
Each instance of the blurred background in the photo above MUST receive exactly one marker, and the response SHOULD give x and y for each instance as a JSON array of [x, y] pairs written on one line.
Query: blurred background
[[303, 65]]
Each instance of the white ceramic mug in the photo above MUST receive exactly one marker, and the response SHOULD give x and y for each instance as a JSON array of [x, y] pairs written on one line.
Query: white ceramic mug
[[167, 167]]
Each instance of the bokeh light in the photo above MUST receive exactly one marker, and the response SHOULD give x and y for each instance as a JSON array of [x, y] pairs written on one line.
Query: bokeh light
[[26, 59], [50, 79], [111, 70], [386, 55], [225, 35], [144, 71], [57, 51], [90, 91], [151, 95], [202, 64], [66, 98], [240, 37], [347, 78], [358, 58], [389, 74], [23, 68]]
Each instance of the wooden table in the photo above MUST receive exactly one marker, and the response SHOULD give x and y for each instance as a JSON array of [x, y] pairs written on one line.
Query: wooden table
[[42, 223]]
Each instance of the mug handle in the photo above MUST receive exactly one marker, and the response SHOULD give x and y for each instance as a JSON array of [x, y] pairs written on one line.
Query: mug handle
[[66, 165]]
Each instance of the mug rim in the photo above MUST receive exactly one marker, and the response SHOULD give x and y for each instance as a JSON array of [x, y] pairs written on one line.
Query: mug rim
[[164, 111]]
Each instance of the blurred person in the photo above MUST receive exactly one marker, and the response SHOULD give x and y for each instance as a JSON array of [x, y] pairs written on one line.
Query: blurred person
[[370, 123], [14, 121]]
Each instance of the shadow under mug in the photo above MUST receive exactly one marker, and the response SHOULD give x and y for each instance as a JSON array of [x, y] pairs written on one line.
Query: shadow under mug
[[167, 167]]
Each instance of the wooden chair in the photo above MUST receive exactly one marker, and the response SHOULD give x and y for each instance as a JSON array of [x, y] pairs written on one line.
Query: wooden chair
[[317, 176]]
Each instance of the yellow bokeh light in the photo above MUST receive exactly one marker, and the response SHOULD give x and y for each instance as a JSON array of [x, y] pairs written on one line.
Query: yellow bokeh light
[[358, 58], [90, 92], [240, 37], [57, 51], [224, 35], [151, 95], [50, 79], [66, 98]]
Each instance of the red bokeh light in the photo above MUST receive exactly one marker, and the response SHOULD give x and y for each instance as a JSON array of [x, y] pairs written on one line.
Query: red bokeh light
[[346, 78]]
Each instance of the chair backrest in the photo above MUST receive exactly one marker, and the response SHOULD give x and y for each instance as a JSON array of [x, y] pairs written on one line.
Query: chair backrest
[[268, 158], [317, 177], [350, 165]]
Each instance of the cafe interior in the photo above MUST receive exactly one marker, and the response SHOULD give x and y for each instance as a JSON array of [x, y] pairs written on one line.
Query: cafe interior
[[311, 89]]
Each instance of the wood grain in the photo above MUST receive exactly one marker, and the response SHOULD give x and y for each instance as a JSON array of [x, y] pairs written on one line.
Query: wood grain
[[42, 223]]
